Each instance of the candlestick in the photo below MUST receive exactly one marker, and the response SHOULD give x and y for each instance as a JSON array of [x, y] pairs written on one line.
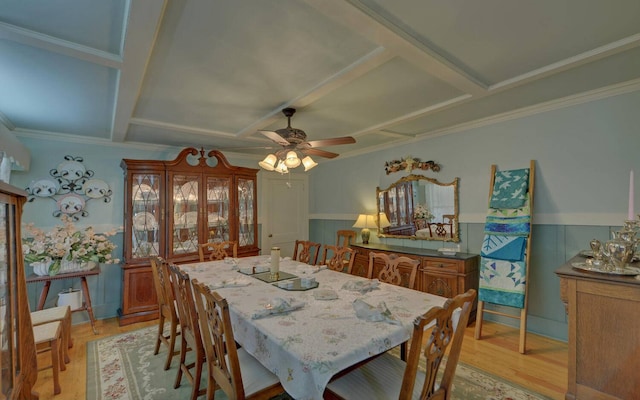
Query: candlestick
[[630, 214]]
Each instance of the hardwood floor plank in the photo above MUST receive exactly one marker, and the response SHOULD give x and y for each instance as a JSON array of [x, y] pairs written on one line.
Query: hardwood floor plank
[[543, 369]]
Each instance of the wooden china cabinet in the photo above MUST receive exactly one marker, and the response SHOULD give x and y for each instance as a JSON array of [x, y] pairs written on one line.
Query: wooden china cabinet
[[171, 207], [18, 368], [397, 203]]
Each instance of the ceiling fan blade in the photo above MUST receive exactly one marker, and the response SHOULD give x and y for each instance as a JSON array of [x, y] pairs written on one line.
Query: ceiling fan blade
[[320, 153], [275, 137], [331, 142]]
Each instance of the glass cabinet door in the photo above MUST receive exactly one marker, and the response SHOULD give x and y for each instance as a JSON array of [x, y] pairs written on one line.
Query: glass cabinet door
[[217, 209], [246, 212], [184, 237], [146, 215], [8, 323]]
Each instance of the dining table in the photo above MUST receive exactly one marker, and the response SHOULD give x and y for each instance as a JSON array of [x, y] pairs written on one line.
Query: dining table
[[343, 321]]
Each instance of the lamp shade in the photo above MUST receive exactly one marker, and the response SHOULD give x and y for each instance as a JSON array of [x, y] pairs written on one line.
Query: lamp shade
[[269, 162], [308, 163], [292, 160], [365, 221], [383, 220]]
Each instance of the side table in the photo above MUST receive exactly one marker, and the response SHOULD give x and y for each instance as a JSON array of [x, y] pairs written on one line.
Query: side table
[[85, 289]]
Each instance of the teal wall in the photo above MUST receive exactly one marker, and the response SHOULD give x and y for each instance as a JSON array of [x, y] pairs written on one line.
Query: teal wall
[[583, 155]]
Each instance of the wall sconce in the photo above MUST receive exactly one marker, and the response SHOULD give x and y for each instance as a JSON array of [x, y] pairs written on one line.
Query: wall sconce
[[365, 221]]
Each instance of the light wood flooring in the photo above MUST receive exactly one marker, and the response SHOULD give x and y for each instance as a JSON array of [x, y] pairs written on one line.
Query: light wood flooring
[[543, 369]]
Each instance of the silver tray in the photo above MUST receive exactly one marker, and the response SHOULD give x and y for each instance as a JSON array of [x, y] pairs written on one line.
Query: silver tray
[[628, 271], [297, 286], [589, 254]]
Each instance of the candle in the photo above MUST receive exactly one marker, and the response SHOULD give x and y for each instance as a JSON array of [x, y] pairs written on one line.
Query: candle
[[275, 260], [631, 214]]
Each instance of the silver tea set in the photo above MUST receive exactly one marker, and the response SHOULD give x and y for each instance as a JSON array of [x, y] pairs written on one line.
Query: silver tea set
[[616, 254]]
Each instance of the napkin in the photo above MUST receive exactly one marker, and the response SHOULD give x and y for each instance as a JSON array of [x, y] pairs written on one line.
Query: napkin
[[370, 313], [361, 286], [278, 306], [310, 269], [233, 282]]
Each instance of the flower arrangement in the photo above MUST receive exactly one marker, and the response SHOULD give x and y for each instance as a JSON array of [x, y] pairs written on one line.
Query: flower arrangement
[[409, 164], [66, 242], [422, 212]]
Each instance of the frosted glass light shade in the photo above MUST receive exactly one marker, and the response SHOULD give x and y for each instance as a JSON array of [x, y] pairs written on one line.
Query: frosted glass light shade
[[292, 160], [282, 167], [308, 163], [269, 162]]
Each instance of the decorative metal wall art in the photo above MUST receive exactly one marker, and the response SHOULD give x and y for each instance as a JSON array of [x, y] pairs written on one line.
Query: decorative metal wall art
[[409, 164], [70, 186]]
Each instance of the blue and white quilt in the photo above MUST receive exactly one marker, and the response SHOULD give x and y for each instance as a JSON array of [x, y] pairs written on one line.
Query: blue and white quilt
[[501, 247], [510, 188], [502, 282]]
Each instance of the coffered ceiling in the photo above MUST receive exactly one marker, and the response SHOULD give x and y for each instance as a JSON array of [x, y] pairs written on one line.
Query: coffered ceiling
[[213, 73]]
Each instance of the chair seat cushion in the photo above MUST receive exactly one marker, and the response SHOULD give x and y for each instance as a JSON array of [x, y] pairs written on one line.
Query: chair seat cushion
[[255, 376], [46, 332], [381, 378], [49, 314]]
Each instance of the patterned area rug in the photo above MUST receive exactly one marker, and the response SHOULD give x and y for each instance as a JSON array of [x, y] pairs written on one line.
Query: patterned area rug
[[123, 367]]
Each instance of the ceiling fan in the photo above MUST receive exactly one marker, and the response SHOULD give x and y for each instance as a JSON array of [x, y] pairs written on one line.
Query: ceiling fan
[[294, 140]]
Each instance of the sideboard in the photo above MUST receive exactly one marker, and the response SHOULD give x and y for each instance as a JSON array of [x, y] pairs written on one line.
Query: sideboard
[[604, 333], [444, 275]]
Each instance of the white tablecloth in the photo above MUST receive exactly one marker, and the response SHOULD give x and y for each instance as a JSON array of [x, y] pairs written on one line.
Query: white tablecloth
[[306, 347]]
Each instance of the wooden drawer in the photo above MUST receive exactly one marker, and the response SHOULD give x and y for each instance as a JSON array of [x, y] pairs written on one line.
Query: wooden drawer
[[442, 264]]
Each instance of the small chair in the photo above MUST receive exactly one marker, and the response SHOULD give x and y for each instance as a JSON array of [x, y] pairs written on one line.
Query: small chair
[[392, 272], [440, 230], [306, 252], [48, 337], [218, 250], [403, 380], [346, 238], [190, 338], [62, 314], [338, 258], [231, 369], [166, 309]]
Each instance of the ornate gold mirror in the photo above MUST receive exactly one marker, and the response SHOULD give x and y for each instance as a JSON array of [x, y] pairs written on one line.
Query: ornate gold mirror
[[418, 207]]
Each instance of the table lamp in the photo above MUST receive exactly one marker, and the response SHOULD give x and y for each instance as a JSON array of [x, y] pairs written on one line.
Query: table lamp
[[365, 221], [383, 221]]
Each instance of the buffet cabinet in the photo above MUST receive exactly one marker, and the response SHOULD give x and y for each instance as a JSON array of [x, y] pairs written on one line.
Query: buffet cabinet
[[18, 368], [443, 275], [604, 333], [173, 206]]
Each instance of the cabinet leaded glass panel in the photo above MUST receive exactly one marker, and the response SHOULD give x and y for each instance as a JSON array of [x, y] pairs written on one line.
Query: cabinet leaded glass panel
[[145, 207]]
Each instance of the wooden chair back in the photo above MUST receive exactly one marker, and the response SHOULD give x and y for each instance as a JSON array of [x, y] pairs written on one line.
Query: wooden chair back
[[218, 250], [346, 237], [392, 272], [338, 258], [191, 338], [224, 367], [306, 251], [440, 230], [443, 334], [166, 308]]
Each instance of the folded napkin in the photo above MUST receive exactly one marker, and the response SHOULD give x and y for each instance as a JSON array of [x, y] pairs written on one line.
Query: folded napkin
[[370, 313], [361, 286], [309, 269], [233, 282], [278, 306]]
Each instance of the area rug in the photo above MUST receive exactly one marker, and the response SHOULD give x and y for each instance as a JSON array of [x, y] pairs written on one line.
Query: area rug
[[123, 367]]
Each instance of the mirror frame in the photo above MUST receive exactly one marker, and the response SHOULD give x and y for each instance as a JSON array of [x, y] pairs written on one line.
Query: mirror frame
[[410, 178]]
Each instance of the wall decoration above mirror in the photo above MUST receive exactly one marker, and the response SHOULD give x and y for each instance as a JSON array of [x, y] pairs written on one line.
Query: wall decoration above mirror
[[409, 164], [420, 208], [70, 186]]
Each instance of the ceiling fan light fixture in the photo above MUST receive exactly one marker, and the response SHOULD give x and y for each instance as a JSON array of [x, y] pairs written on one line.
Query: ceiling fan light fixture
[[282, 167], [269, 162], [292, 160], [308, 163]]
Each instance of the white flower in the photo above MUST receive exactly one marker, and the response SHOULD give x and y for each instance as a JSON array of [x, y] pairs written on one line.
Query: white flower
[[422, 212]]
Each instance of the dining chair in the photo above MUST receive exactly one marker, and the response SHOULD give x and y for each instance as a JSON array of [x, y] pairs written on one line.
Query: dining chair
[[397, 270], [338, 258], [190, 337], [232, 369], [48, 337], [218, 250], [306, 251], [166, 309], [58, 313], [440, 230], [388, 377], [346, 237]]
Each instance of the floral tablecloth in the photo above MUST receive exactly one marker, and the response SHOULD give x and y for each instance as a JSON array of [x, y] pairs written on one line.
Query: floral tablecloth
[[306, 347]]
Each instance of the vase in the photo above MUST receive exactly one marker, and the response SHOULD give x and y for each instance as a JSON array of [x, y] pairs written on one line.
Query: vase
[[41, 268]]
